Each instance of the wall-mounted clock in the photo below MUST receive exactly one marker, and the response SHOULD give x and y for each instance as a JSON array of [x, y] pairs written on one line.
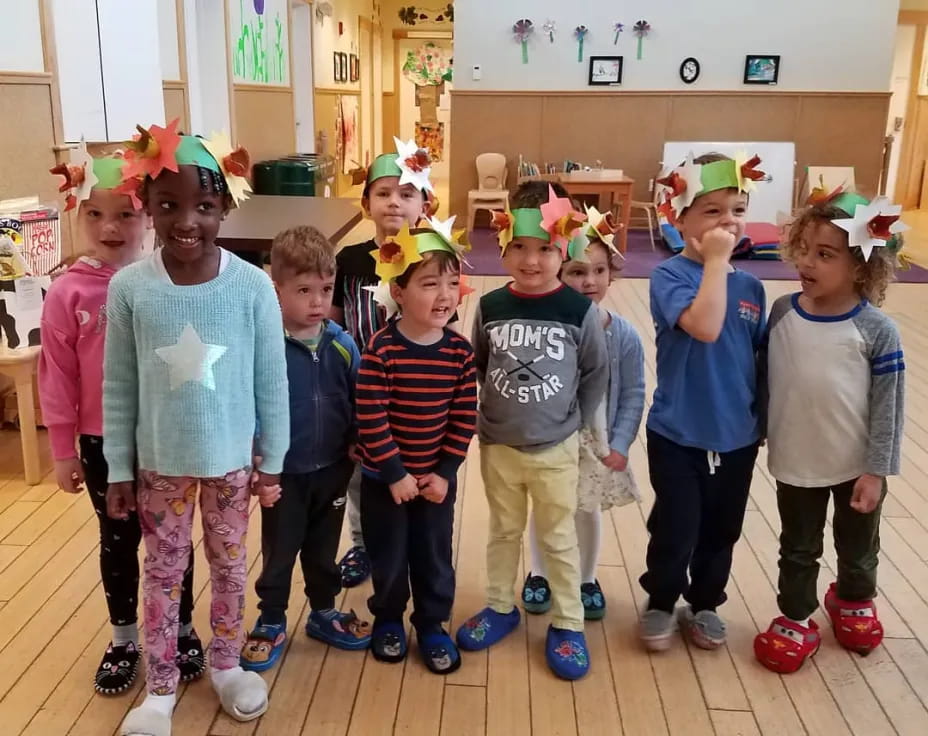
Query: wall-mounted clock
[[689, 70]]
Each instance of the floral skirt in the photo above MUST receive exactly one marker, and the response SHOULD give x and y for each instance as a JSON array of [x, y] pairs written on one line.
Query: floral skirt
[[601, 487]]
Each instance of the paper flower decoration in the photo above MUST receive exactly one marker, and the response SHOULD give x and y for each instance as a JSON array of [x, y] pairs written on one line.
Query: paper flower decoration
[[522, 29], [580, 33], [152, 151], [642, 28], [452, 237], [618, 28], [384, 298], [820, 195], [395, 255], [682, 185], [414, 163], [234, 162], [131, 188], [79, 178], [502, 222], [549, 28], [872, 225], [748, 172], [560, 219], [603, 226]]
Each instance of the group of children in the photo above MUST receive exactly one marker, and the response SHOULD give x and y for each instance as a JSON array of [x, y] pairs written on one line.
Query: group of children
[[336, 383]]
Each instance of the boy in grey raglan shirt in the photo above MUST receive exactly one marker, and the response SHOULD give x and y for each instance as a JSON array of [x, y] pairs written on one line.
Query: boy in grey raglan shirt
[[541, 361], [836, 379]]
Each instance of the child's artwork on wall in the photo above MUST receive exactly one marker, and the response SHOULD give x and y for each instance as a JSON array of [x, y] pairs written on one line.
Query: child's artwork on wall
[[642, 28], [348, 132], [259, 41], [429, 67], [431, 137]]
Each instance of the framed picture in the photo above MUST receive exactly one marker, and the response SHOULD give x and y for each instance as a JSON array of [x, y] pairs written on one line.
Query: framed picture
[[761, 69], [355, 72], [605, 70], [344, 65], [336, 66]]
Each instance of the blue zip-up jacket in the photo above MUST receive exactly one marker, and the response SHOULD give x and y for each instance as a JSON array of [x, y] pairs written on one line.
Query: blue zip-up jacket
[[322, 414]]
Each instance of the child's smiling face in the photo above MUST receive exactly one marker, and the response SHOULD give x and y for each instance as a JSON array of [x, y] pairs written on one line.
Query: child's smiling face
[[186, 216]]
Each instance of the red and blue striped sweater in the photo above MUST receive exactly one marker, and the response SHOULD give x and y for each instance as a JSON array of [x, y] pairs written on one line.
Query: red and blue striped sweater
[[417, 405]]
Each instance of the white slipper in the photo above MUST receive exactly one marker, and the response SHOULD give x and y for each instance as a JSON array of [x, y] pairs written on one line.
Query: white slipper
[[241, 693], [144, 721]]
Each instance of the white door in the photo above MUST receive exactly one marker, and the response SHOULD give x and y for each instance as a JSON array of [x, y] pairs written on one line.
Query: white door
[[301, 42]]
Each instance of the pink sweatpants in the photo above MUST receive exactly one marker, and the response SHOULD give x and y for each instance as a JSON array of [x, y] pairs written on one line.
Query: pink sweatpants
[[165, 506]]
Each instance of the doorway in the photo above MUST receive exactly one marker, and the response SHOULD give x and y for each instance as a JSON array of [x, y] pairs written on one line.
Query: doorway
[[302, 65]]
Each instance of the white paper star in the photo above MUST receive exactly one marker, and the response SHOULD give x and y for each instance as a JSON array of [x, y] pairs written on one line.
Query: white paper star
[[81, 158], [692, 174], [858, 233], [191, 359], [420, 179], [442, 227], [384, 298]]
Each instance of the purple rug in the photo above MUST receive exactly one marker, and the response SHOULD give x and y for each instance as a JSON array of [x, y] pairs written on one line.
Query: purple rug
[[640, 260]]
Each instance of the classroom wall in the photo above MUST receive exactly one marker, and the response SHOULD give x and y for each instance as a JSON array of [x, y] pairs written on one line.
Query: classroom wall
[[835, 113], [824, 45]]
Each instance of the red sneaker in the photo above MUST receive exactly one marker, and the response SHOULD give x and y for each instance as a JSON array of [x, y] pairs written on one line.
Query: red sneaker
[[786, 645], [855, 622]]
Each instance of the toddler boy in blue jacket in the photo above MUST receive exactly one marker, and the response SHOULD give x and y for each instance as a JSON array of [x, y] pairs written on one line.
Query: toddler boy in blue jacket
[[322, 367]]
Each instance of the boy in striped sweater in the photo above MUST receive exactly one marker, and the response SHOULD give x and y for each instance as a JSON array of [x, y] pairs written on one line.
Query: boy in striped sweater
[[417, 411]]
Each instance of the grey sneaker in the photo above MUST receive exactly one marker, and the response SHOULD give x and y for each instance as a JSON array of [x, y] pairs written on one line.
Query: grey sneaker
[[705, 629], [656, 629]]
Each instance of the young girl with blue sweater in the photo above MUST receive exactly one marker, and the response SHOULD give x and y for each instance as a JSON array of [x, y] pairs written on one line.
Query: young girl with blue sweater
[[194, 361]]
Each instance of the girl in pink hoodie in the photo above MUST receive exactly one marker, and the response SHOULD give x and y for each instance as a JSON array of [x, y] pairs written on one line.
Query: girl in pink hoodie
[[112, 226]]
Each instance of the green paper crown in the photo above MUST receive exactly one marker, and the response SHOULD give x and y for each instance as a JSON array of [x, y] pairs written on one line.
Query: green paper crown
[[526, 222], [108, 171], [719, 175], [384, 165], [848, 202], [192, 152]]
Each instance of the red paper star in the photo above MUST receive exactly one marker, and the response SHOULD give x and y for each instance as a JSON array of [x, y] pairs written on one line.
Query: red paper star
[[674, 182], [878, 226], [749, 170], [152, 151], [419, 161]]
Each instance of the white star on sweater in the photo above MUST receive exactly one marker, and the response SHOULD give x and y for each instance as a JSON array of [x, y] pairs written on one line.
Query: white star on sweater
[[191, 359]]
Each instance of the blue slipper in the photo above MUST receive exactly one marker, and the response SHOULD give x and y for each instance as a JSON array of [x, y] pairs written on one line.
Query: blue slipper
[[566, 653], [264, 646], [355, 567], [536, 594], [594, 602], [388, 641], [342, 631], [438, 651], [486, 628]]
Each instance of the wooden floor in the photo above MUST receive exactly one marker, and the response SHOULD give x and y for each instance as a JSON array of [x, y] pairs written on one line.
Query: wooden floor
[[53, 625]]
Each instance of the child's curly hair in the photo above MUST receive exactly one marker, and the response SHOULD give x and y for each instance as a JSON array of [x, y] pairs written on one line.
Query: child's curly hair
[[872, 276], [534, 193]]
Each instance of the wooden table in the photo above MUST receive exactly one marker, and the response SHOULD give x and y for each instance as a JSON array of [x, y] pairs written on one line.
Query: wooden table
[[260, 217], [20, 365], [611, 190]]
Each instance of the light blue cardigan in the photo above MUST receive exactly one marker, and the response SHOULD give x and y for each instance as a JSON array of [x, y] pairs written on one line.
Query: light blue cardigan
[[625, 404]]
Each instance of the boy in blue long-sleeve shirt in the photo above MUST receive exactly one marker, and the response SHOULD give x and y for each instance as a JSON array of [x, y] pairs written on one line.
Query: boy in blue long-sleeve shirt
[[322, 367]]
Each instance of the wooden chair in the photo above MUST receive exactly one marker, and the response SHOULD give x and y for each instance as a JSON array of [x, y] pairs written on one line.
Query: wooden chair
[[490, 194], [650, 214]]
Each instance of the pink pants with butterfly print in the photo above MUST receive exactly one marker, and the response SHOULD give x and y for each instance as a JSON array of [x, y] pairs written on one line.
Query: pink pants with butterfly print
[[165, 506]]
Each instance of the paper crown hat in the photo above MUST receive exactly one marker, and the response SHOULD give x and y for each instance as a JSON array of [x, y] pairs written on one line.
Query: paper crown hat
[[598, 226], [556, 221], [85, 173], [870, 224], [409, 245], [410, 163], [156, 149], [683, 184]]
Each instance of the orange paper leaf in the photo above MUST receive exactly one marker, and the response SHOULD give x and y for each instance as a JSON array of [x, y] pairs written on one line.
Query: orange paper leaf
[[390, 252], [878, 226], [419, 161], [675, 182], [237, 163], [501, 220], [750, 171]]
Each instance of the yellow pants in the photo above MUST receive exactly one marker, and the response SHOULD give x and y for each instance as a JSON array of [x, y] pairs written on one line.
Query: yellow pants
[[549, 478]]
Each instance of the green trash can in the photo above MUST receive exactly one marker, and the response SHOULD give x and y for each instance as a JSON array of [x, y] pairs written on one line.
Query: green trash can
[[298, 175]]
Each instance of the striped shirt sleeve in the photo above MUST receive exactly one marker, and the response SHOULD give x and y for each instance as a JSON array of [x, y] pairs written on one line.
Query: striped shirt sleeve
[[462, 420], [887, 392], [374, 433]]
